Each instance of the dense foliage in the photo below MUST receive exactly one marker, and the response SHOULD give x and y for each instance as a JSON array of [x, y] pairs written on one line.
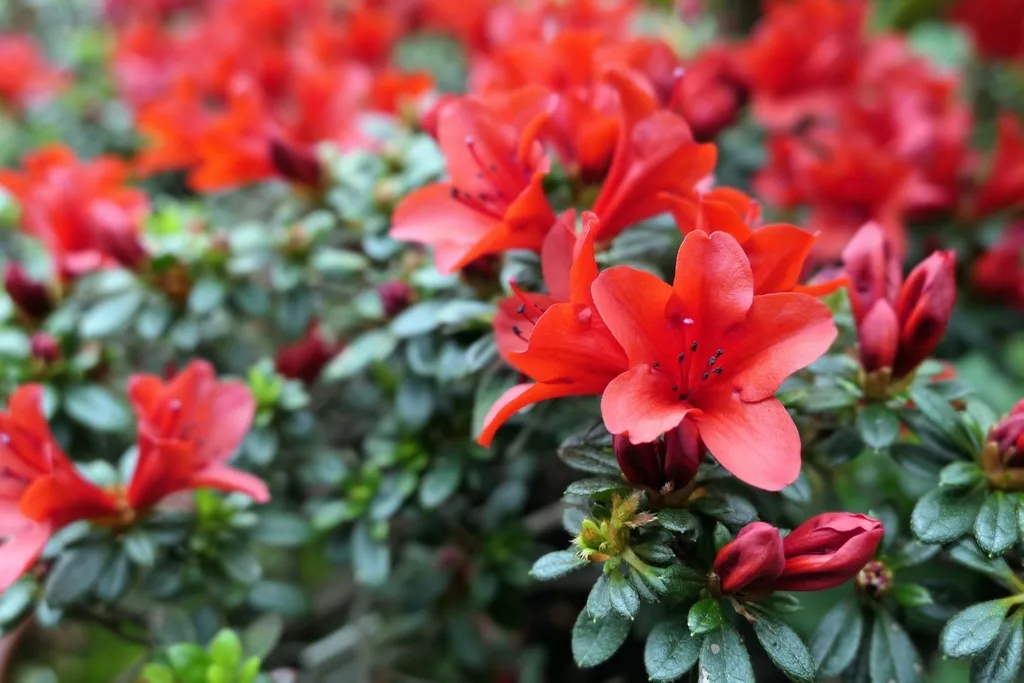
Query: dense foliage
[[540, 340]]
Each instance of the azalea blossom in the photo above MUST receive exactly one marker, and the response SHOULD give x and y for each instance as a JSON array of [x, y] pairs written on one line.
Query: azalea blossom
[[706, 348], [25, 75], [495, 199], [84, 212], [1003, 188], [559, 339], [999, 272]]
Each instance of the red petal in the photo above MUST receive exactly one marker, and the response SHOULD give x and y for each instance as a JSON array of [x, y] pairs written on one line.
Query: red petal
[[634, 305], [65, 497], [783, 333], [510, 344], [879, 336], [162, 468], [430, 216], [522, 395], [777, 254], [21, 550], [556, 255], [231, 414], [229, 479], [757, 442], [714, 281], [641, 404]]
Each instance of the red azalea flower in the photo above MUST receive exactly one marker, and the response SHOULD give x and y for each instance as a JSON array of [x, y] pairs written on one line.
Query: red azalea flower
[[234, 147], [711, 91], [828, 550], [1004, 187], [898, 326], [173, 126], [558, 340], [802, 58], [495, 200], [996, 26], [188, 429], [305, 359], [394, 91], [83, 212], [751, 560], [706, 348], [655, 155], [25, 75], [776, 252], [999, 272], [40, 489]]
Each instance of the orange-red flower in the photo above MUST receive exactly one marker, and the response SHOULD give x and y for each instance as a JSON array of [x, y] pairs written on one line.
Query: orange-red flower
[[558, 340], [655, 155], [711, 91], [708, 349], [802, 57], [83, 212], [495, 199], [898, 324], [995, 26], [40, 489], [1004, 187], [25, 76], [189, 428], [776, 252]]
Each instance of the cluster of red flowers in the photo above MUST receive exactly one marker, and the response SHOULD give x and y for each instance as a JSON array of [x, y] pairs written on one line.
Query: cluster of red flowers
[[187, 430], [25, 75]]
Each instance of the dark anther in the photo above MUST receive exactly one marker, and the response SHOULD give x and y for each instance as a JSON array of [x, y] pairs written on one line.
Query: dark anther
[[521, 309], [682, 397], [718, 371], [675, 387], [693, 346], [519, 333], [711, 361], [681, 357], [655, 365], [455, 193], [719, 352], [705, 376]]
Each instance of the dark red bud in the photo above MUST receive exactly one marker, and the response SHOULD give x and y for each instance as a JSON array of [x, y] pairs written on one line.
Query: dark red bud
[[296, 164], [828, 550], [640, 463], [753, 559], [873, 269], [117, 234], [32, 298], [684, 451], [395, 297], [45, 347], [878, 334], [305, 359], [924, 306]]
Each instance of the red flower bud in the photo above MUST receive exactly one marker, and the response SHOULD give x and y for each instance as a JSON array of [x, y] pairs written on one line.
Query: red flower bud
[[305, 359], [666, 465], [294, 163], [116, 234], [873, 269], [879, 335], [828, 550], [1008, 436], [32, 298], [45, 347], [923, 308], [395, 297], [752, 560]]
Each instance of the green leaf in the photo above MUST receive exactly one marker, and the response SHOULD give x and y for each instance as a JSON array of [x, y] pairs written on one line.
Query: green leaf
[[911, 595], [363, 351], [241, 566], [837, 638], [878, 426], [279, 597], [157, 673], [206, 295], [113, 582], [440, 482], [110, 315], [970, 631], [93, 406], [74, 574], [942, 415], [15, 601], [282, 530], [728, 508], [623, 596], [588, 487], [1001, 661], [680, 521], [418, 319], [670, 650], [799, 491], [724, 659], [784, 647], [681, 581], [960, 475], [262, 635], [586, 456], [596, 640], [189, 661], [140, 548], [599, 601], [967, 553], [705, 616], [913, 553], [893, 656], [226, 649], [337, 262], [995, 527], [555, 565], [371, 558], [942, 516]]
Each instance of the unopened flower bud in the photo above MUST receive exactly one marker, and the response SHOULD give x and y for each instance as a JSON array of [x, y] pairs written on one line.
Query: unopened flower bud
[[45, 347], [32, 298], [395, 297], [751, 560], [294, 163], [828, 550]]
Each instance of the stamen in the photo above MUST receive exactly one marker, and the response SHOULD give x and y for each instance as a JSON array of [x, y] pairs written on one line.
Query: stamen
[[705, 376], [719, 352], [675, 387], [693, 346], [718, 370], [681, 357], [655, 365], [711, 361], [519, 333]]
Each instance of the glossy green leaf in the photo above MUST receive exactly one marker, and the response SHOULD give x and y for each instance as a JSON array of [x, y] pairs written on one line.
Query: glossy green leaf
[[730, 509], [599, 601], [724, 658], [911, 595], [835, 642], [556, 564], [879, 427], [1001, 661], [439, 482], [75, 574], [624, 598], [670, 650], [959, 475], [585, 454], [893, 656], [588, 487], [705, 616], [680, 521], [995, 527], [596, 640], [941, 516], [784, 647], [971, 630], [95, 407]]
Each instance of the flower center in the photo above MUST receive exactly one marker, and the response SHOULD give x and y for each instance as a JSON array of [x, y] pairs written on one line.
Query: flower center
[[506, 181]]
